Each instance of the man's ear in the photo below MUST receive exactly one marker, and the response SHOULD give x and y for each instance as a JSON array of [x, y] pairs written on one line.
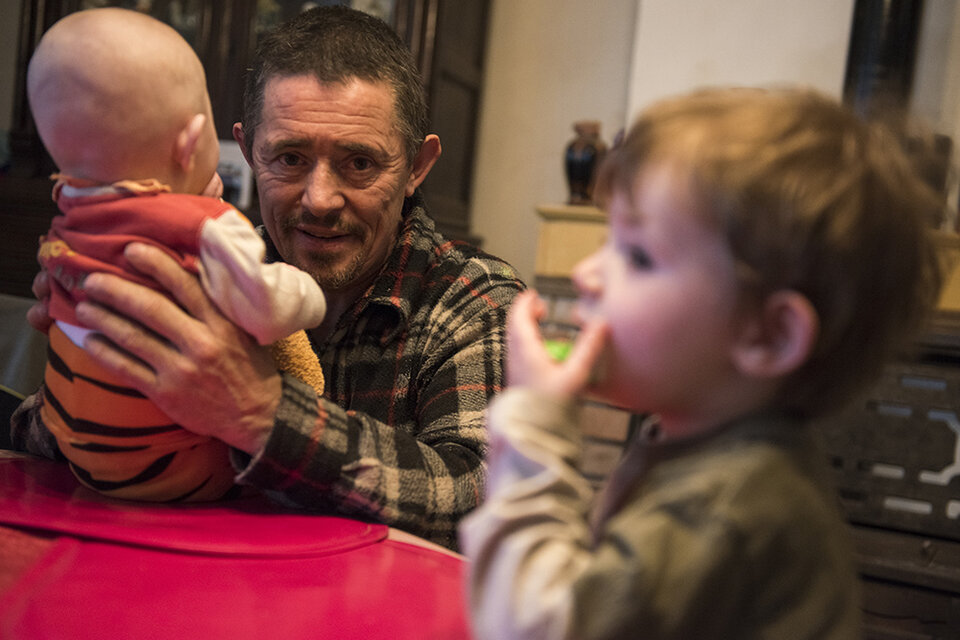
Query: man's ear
[[239, 136], [779, 338], [187, 141], [423, 162]]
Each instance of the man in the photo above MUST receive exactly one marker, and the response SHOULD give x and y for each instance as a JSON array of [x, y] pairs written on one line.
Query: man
[[334, 127]]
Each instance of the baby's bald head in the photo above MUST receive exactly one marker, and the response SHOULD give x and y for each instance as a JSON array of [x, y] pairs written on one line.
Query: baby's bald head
[[111, 90]]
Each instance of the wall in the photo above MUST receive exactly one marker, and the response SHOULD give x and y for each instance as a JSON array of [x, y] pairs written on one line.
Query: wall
[[549, 63], [9, 32], [683, 44], [680, 44], [605, 60], [936, 83]]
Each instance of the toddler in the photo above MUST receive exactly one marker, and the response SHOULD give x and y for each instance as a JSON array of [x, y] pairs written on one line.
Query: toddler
[[121, 105], [767, 252]]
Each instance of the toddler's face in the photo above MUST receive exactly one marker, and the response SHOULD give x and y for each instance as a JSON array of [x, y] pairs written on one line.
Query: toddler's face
[[665, 284]]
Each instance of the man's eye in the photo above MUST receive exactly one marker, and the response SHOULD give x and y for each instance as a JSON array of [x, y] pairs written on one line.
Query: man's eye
[[360, 163], [289, 159], [639, 258]]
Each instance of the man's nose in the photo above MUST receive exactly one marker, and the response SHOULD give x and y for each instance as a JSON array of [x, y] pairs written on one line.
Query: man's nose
[[322, 191]]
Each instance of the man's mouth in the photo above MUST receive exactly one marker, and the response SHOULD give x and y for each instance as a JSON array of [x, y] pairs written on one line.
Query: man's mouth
[[324, 235], [325, 240]]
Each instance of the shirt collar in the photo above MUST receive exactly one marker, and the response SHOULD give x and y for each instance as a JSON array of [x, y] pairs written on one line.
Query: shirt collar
[[69, 186], [390, 296]]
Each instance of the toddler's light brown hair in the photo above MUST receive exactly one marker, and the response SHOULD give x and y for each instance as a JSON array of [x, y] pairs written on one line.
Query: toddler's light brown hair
[[811, 198]]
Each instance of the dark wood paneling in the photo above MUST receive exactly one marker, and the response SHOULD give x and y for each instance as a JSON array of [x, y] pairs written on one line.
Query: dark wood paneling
[[25, 213], [454, 84]]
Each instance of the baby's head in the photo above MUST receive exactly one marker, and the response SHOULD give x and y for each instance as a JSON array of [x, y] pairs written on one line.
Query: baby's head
[[119, 95], [808, 199]]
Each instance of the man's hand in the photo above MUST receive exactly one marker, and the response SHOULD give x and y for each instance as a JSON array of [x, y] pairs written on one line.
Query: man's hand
[[39, 314], [530, 365], [204, 372]]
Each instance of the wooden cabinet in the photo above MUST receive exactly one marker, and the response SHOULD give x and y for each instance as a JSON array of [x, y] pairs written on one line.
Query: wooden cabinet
[[568, 234], [447, 38]]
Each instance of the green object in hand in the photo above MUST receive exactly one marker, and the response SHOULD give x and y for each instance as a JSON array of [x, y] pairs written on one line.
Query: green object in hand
[[559, 350]]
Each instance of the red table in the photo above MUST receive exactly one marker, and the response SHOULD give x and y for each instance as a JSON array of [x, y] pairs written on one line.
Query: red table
[[74, 564]]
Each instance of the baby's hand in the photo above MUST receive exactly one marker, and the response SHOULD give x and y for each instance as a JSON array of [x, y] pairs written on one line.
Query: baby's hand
[[530, 364]]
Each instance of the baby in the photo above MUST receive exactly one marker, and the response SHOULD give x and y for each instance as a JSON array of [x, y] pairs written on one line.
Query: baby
[[121, 105], [767, 252]]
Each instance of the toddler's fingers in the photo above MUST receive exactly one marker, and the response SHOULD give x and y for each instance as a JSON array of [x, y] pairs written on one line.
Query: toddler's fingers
[[525, 315], [588, 346]]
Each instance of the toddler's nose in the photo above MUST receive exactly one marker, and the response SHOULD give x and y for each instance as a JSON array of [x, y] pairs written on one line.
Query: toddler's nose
[[586, 276]]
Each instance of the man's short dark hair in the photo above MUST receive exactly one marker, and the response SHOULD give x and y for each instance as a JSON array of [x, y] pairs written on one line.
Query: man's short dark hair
[[337, 44]]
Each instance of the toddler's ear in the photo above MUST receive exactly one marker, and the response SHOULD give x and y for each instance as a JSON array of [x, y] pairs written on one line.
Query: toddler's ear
[[779, 338], [187, 141]]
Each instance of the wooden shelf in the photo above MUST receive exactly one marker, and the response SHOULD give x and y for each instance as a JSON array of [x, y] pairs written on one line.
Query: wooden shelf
[[557, 212], [568, 234]]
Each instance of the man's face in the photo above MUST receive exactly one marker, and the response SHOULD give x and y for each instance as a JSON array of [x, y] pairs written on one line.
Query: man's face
[[332, 175]]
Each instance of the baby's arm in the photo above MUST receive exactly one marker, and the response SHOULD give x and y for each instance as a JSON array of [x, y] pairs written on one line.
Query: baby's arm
[[270, 301]]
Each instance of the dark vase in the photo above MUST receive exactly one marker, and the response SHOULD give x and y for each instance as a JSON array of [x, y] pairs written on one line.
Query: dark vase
[[582, 157]]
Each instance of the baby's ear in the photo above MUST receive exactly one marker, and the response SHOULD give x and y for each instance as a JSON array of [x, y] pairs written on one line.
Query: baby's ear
[[187, 141], [779, 337]]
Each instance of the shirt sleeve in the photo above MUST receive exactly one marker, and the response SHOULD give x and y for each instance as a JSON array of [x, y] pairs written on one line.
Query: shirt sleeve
[[528, 543], [270, 301], [27, 431]]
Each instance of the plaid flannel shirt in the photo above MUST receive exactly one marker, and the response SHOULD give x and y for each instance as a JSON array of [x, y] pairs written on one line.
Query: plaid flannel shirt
[[399, 436]]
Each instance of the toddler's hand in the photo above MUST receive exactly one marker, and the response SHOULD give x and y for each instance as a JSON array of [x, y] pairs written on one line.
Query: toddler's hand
[[529, 364]]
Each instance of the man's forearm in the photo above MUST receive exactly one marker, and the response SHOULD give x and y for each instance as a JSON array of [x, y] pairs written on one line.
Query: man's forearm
[[320, 456]]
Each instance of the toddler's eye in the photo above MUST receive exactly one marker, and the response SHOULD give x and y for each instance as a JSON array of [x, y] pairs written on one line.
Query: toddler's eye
[[639, 258]]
